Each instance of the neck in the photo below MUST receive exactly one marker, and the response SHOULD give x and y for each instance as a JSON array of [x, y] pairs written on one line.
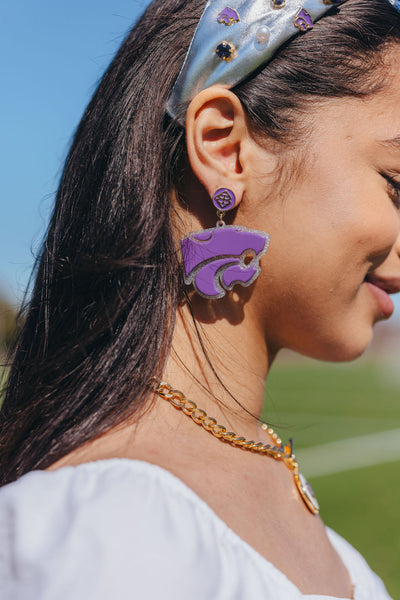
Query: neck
[[240, 360], [226, 365]]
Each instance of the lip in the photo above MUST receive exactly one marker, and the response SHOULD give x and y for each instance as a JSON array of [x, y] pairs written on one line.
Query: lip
[[391, 285], [380, 289]]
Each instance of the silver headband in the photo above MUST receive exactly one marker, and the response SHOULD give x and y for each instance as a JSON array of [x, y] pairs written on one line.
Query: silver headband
[[231, 42]]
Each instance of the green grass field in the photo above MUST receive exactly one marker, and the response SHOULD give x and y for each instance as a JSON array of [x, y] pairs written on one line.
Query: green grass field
[[315, 404]]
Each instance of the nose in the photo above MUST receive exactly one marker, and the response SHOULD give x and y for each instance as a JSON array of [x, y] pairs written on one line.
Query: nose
[[394, 257], [396, 246], [392, 263]]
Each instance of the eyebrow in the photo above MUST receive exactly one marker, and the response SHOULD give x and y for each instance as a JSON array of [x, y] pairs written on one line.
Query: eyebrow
[[393, 143]]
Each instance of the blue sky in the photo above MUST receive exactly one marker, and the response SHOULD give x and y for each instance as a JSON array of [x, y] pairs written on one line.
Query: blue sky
[[52, 55]]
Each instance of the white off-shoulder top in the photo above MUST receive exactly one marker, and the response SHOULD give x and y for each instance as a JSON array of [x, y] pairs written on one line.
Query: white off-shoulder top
[[125, 529]]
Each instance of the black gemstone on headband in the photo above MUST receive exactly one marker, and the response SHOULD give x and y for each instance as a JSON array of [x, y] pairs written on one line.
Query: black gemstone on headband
[[278, 3], [225, 50]]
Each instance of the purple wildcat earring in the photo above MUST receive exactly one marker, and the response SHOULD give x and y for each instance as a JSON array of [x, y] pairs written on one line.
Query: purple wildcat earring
[[217, 259]]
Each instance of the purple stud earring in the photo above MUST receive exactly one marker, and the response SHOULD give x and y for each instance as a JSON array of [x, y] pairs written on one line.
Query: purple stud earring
[[224, 199], [217, 259]]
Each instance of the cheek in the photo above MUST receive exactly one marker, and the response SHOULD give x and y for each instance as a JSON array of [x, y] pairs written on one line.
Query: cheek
[[340, 226], [311, 296], [318, 242]]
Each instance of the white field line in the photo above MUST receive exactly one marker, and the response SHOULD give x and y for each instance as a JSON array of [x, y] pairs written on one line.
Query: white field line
[[350, 454], [289, 418]]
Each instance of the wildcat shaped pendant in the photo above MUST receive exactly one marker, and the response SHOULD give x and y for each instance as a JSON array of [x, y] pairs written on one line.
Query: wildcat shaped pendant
[[219, 258]]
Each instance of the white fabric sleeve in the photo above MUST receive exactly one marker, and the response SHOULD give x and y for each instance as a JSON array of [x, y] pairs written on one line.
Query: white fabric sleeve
[[84, 537]]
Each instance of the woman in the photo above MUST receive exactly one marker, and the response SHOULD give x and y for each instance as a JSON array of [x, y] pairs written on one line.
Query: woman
[[289, 122]]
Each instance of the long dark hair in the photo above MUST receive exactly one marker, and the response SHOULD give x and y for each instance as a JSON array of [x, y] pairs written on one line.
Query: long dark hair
[[108, 280]]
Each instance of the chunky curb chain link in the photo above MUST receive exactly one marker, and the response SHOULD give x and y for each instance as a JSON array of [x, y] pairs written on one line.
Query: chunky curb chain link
[[279, 452]]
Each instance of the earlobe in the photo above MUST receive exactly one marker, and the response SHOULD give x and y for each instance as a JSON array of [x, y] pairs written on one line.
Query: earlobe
[[216, 132]]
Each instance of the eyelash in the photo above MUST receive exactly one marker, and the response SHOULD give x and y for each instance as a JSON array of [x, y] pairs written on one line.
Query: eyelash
[[394, 190]]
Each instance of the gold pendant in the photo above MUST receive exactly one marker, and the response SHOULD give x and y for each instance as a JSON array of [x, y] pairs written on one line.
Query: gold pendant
[[307, 493]]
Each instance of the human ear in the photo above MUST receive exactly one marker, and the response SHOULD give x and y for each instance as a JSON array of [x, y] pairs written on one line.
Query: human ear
[[217, 141]]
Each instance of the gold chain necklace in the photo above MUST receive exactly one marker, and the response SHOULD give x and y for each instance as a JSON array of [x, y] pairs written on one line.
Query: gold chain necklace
[[279, 451]]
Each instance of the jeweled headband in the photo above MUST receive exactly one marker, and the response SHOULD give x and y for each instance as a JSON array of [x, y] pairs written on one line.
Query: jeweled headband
[[232, 41]]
